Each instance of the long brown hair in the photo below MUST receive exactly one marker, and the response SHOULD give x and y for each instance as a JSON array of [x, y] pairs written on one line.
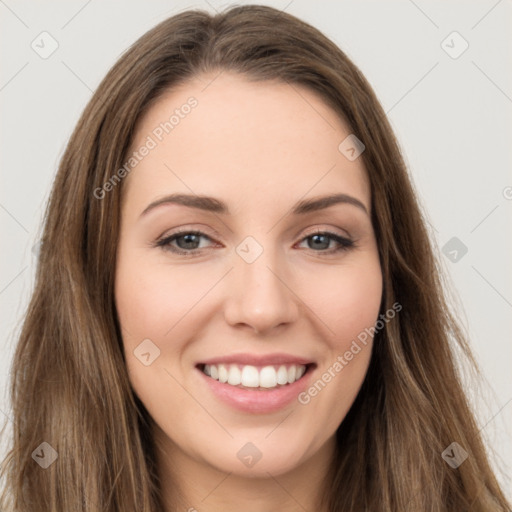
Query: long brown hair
[[70, 387]]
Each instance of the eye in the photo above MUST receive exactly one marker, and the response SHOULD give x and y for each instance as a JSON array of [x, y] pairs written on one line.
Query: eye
[[188, 243], [322, 240]]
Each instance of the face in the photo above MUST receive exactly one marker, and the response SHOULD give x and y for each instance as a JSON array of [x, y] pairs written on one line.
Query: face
[[239, 312]]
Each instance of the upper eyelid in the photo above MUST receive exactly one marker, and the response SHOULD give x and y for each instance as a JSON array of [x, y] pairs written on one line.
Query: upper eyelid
[[186, 230], [206, 231], [324, 219]]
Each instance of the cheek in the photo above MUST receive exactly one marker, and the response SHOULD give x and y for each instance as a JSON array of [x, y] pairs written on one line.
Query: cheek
[[165, 304], [349, 308], [356, 304], [347, 300], [151, 299], [150, 302]]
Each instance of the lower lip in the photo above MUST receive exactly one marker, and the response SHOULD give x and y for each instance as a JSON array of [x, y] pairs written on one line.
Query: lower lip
[[258, 401]]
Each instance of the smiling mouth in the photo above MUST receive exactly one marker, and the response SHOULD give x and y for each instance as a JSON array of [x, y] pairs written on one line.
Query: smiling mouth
[[256, 378]]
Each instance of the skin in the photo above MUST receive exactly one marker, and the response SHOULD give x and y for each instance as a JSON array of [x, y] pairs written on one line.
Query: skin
[[260, 148]]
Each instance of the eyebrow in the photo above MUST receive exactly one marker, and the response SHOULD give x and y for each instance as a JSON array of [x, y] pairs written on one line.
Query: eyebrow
[[211, 204]]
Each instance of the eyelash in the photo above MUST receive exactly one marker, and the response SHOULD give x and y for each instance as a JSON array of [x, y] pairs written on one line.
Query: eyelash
[[165, 243]]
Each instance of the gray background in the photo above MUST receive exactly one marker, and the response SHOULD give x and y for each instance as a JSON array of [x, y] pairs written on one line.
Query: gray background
[[452, 117]]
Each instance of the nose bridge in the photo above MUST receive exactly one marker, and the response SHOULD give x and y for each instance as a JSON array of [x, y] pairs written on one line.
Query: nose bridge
[[259, 296]]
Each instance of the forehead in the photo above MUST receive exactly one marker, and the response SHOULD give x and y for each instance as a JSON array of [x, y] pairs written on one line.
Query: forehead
[[251, 143]]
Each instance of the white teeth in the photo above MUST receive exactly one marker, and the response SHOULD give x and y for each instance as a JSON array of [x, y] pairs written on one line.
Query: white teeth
[[282, 375], [252, 377], [292, 372], [223, 373], [235, 375], [268, 377]]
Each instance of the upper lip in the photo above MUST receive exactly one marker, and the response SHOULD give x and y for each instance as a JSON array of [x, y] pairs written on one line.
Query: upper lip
[[257, 360]]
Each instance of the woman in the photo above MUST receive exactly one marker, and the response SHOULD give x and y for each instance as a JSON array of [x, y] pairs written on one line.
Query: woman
[[237, 305]]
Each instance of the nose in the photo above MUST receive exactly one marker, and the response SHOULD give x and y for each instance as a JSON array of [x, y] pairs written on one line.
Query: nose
[[260, 294]]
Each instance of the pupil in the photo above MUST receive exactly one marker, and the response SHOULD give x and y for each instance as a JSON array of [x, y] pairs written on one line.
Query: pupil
[[317, 241], [189, 239]]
